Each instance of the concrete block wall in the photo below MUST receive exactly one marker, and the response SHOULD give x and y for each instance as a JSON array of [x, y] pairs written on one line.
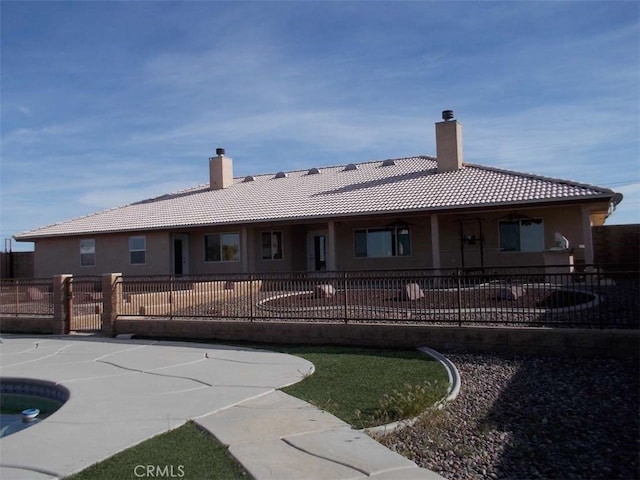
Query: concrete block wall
[[617, 245], [37, 325], [538, 341]]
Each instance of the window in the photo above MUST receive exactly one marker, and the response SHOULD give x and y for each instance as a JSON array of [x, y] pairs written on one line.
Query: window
[[87, 252], [272, 245], [222, 247], [383, 242], [525, 235], [137, 250]]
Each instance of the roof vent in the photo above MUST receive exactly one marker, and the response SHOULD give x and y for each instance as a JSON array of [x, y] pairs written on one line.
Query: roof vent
[[447, 115], [219, 151], [388, 163], [313, 171], [351, 166], [280, 175], [249, 178]]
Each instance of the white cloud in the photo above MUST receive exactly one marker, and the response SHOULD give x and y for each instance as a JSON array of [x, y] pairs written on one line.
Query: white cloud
[[287, 86]]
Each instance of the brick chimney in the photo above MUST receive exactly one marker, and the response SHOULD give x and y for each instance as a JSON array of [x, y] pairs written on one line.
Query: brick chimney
[[449, 143], [220, 170]]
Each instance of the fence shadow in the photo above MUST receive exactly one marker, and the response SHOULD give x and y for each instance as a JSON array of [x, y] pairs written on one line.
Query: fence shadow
[[597, 447]]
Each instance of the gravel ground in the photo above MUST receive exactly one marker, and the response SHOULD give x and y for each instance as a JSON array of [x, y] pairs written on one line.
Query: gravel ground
[[531, 418], [618, 308], [492, 296]]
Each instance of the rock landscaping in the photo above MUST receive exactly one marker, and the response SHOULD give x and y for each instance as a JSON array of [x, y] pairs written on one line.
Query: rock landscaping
[[532, 418], [412, 296]]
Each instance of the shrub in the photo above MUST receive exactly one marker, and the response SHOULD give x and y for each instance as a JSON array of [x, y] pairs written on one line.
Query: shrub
[[410, 402]]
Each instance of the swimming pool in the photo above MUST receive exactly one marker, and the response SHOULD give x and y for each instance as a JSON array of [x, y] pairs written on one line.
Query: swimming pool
[[18, 395]]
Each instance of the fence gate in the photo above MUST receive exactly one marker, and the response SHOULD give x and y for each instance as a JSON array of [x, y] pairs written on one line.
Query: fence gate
[[84, 304]]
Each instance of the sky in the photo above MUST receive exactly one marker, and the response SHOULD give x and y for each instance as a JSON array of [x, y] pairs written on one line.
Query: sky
[[108, 103]]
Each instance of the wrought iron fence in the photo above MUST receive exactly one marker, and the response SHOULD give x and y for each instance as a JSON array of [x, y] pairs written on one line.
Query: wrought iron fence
[[26, 296], [86, 303], [527, 296]]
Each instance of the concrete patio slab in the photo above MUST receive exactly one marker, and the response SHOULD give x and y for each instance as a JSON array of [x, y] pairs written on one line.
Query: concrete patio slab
[[269, 417], [414, 473], [125, 391], [112, 407], [276, 460], [352, 448]]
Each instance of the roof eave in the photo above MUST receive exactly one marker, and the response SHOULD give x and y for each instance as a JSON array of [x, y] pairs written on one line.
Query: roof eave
[[604, 196]]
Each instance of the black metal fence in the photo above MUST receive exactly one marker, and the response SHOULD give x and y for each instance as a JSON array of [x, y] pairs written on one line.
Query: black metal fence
[[80, 300], [85, 303], [26, 296], [513, 296]]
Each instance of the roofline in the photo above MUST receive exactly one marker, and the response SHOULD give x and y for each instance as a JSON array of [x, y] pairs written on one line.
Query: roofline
[[541, 177], [183, 192], [605, 196]]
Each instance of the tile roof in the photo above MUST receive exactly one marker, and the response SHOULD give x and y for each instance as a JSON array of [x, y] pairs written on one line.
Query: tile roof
[[406, 184]]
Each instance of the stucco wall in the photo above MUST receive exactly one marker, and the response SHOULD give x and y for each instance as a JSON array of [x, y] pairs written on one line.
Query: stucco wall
[[566, 220], [197, 264], [419, 228], [294, 252], [54, 256], [62, 255]]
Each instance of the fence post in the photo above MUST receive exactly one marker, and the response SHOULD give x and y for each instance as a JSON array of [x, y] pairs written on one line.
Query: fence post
[[60, 294], [459, 285], [111, 302], [600, 297], [251, 285], [171, 287], [16, 296], [346, 301], [68, 294]]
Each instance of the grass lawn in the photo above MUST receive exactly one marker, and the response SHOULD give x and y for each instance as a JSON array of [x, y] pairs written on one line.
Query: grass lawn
[[186, 452], [363, 386], [367, 387]]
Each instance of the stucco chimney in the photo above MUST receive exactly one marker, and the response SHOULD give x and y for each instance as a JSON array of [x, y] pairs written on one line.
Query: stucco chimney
[[449, 143], [220, 170]]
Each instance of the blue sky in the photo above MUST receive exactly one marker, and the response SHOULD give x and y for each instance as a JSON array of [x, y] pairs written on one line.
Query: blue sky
[[106, 103]]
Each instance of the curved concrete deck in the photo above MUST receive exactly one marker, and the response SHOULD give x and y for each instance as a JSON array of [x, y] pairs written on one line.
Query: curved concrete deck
[[125, 391]]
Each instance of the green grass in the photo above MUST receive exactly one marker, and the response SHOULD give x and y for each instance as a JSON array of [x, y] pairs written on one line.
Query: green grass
[[367, 387], [190, 452], [362, 386]]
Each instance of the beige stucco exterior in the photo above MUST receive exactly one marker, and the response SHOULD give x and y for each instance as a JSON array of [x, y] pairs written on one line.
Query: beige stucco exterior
[[62, 255], [451, 237], [444, 250]]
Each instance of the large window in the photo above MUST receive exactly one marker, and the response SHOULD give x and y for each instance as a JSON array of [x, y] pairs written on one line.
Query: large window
[[222, 247], [272, 245], [87, 252], [383, 242], [137, 250], [522, 236]]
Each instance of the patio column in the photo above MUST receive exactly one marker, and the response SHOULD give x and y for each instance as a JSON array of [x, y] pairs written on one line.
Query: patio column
[[435, 243], [331, 247], [244, 249], [587, 239]]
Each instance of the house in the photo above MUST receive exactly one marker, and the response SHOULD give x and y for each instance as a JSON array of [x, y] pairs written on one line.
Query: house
[[413, 212]]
